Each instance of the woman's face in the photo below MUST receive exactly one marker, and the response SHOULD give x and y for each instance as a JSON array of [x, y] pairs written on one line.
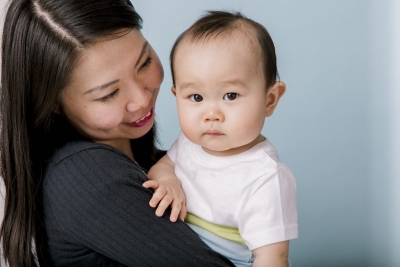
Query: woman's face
[[113, 91]]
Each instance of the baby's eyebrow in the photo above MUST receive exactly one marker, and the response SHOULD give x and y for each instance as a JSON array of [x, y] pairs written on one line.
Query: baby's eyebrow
[[233, 82], [236, 82], [184, 86]]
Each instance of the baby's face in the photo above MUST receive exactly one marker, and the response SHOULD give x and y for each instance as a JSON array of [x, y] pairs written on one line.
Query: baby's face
[[221, 94]]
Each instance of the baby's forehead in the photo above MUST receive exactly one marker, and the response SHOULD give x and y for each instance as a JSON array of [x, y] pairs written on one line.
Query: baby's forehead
[[215, 45], [246, 36]]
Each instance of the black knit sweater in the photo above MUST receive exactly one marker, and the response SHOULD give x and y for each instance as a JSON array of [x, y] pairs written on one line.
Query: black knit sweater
[[96, 213]]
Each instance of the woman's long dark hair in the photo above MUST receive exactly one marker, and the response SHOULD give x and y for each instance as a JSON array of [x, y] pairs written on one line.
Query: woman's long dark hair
[[42, 39]]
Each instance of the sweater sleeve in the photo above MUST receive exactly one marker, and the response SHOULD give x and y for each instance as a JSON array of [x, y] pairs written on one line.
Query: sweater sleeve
[[98, 200]]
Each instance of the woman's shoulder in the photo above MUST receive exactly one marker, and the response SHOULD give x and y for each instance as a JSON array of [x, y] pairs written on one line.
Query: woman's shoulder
[[89, 162], [83, 148]]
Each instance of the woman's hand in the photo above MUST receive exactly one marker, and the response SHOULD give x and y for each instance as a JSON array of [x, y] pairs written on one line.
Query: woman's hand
[[167, 189]]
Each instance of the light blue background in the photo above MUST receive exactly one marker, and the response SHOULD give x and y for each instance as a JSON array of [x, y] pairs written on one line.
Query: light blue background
[[338, 125]]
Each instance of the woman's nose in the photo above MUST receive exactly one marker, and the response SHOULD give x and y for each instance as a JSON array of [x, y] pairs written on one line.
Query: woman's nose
[[139, 99]]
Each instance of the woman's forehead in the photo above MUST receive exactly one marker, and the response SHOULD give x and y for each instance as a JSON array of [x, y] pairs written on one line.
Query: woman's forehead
[[108, 59]]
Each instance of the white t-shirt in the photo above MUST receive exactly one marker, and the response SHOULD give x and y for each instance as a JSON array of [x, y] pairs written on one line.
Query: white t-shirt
[[251, 191]]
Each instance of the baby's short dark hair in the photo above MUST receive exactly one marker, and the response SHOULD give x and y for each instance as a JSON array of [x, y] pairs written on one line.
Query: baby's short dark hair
[[215, 23]]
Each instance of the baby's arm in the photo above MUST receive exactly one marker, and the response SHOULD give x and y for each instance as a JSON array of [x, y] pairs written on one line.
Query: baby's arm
[[168, 190], [274, 255]]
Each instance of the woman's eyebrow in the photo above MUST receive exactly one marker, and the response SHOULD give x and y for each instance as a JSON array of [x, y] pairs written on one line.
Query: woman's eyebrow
[[144, 50], [100, 87], [103, 86]]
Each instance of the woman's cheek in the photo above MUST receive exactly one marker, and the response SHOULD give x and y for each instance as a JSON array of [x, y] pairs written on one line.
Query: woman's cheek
[[106, 120]]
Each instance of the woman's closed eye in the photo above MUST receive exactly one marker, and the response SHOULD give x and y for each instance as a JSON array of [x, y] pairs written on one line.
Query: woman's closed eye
[[109, 96], [230, 96], [146, 63]]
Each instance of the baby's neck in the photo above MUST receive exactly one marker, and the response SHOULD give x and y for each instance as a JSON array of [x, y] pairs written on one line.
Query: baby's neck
[[235, 150]]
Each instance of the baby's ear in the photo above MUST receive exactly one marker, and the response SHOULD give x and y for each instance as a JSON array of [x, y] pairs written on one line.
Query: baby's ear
[[275, 92], [173, 90]]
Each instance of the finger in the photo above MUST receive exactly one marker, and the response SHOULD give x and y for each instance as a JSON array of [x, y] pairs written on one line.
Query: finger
[[163, 205], [176, 208], [183, 212], [151, 184], [158, 195]]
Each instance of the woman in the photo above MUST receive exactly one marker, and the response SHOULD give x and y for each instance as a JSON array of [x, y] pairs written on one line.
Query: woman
[[80, 84]]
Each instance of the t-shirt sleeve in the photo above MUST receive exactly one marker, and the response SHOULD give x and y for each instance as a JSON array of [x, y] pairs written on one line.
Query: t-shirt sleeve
[[267, 212], [98, 200]]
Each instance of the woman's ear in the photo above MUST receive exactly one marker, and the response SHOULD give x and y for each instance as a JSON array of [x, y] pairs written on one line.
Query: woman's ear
[[173, 90], [275, 92]]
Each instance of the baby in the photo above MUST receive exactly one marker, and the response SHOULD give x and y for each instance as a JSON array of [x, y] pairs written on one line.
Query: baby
[[240, 199]]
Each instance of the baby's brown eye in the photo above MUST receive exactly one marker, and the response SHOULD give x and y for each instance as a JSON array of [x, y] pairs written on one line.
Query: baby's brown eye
[[230, 96], [196, 98]]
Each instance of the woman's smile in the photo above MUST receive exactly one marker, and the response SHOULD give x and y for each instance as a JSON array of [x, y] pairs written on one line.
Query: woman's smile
[[144, 120]]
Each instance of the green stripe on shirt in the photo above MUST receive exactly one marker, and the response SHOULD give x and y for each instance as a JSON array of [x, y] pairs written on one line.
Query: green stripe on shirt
[[226, 232]]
